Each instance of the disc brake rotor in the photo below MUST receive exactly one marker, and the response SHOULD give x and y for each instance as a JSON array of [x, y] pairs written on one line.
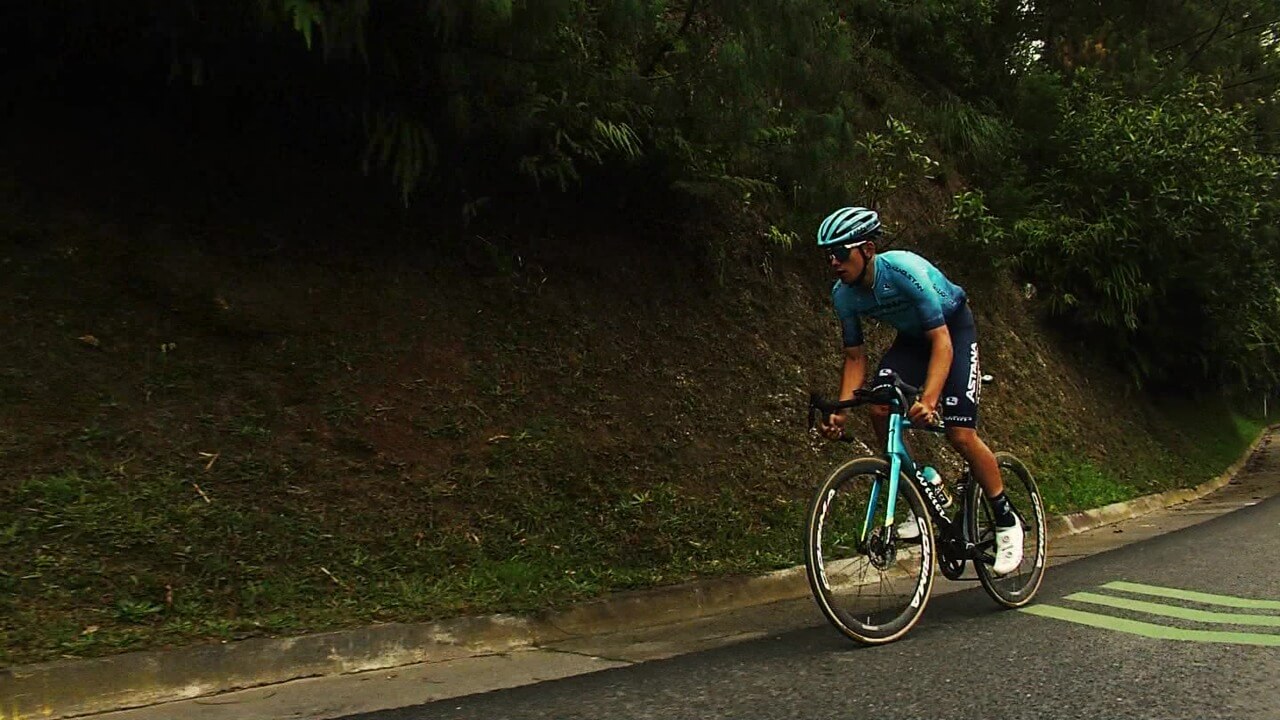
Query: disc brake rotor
[[881, 549]]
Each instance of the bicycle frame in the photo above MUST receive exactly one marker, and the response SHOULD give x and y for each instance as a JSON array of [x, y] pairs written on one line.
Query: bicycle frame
[[900, 461]]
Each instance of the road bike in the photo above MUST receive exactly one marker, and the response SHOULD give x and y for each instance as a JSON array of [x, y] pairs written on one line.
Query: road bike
[[872, 584]]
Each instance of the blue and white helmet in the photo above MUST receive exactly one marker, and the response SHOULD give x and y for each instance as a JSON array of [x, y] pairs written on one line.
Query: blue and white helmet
[[848, 227]]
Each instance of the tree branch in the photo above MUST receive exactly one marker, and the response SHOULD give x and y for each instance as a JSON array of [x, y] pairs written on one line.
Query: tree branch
[[669, 45], [1251, 28], [1226, 6], [1198, 33], [688, 17], [500, 55], [1260, 78], [1183, 41]]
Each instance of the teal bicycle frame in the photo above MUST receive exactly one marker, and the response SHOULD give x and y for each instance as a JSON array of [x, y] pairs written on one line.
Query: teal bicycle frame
[[900, 462], [899, 459], [894, 394]]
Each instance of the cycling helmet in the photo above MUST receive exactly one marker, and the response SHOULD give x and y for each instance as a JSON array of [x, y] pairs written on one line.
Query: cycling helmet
[[848, 227]]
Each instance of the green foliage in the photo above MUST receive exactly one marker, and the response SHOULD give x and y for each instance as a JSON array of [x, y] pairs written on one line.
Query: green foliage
[[965, 46], [1114, 177], [981, 141], [890, 159], [1153, 233], [975, 227], [785, 239], [306, 15], [1148, 44], [1142, 199], [765, 99], [400, 145]]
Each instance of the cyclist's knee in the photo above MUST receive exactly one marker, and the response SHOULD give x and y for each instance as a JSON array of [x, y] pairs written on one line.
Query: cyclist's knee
[[879, 413], [963, 439]]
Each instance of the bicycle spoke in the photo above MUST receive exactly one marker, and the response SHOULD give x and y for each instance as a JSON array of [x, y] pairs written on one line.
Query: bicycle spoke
[[866, 589]]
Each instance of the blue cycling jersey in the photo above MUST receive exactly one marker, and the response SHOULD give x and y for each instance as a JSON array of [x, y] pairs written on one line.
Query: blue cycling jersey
[[909, 293]]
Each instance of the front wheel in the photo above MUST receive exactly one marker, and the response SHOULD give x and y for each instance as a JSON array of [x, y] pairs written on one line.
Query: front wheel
[[1018, 587], [871, 586]]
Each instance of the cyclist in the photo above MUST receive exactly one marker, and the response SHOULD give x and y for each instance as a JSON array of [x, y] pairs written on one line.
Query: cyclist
[[936, 349]]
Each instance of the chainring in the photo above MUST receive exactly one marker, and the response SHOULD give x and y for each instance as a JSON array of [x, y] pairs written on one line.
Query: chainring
[[951, 569]]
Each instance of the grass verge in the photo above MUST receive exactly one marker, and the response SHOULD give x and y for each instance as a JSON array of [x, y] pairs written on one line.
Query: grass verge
[[288, 448]]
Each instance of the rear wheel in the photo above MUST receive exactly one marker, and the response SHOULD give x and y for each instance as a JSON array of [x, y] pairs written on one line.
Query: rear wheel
[[872, 587], [1018, 587]]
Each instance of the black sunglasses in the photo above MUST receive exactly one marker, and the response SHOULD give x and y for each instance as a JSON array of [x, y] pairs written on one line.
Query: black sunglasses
[[841, 253]]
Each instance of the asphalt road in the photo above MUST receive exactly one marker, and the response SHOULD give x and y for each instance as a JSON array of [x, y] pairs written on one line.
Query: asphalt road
[[1211, 657]]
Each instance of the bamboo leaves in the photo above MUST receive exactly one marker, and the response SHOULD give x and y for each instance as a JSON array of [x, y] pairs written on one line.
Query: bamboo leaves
[[401, 144], [307, 15]]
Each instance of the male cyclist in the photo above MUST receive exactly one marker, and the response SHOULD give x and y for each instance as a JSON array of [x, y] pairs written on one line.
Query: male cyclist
[[936, 349]]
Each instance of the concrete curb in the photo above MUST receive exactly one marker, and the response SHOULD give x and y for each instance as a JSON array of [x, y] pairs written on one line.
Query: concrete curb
[[69, 688]]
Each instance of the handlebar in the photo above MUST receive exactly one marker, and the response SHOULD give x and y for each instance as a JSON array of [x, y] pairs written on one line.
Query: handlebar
[[889, 390]]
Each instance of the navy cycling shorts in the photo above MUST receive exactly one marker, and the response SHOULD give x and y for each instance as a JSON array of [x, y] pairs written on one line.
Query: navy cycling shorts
[[908, 357]]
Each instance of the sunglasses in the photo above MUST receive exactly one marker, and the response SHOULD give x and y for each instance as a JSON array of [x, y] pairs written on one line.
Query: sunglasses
[[841, 253]]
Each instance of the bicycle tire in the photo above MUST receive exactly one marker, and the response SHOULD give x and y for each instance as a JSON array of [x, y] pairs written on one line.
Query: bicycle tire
[[854, 622], [1019, 587]]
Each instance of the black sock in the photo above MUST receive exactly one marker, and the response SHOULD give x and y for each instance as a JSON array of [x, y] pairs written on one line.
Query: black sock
[[1004, 511]]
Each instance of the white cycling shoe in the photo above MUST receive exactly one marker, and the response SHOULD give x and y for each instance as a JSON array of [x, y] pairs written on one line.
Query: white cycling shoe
[[908, 529], [1008, 548]]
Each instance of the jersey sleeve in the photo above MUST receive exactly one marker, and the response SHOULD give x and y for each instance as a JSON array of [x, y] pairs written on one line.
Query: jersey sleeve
[[913, 282], [851, 331], [850, 323]]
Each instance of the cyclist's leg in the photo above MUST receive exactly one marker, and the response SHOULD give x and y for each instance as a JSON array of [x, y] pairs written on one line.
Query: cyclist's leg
[[960, 396], [880, 424], [1008, 530], [960, 413], [908, 358], [981, 460]]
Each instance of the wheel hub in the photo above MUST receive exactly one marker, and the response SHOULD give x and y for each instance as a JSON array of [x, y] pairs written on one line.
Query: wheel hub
[[881, 549]]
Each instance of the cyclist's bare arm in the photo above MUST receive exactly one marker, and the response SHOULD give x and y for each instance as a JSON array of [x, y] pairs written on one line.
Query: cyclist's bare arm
[[851, 377], [855, 370]]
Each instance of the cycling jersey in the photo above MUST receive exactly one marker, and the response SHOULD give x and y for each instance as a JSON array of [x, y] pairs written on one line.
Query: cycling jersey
[[909, 294]]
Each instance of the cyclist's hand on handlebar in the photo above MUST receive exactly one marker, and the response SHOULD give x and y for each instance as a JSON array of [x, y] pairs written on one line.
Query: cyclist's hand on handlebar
[[924, 414], [832, 426]]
